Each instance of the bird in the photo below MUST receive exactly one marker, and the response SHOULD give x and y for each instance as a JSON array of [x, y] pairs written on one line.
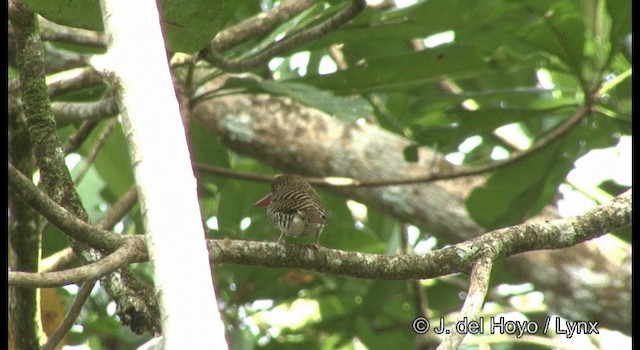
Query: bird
[[294, 208]]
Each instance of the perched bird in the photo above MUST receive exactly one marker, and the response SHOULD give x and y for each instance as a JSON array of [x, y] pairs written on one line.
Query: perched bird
[[294, 207]]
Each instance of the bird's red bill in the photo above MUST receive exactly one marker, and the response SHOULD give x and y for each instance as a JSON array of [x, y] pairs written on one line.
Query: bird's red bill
[[264, 201]]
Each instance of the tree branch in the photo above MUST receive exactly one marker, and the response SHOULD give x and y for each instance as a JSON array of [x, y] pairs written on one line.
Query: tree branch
[[288, 43], [95, 149], [56, 261], [77, 138], [132, 251], [258, 26], [72, 315], [68, 112], [478, 287], [72, 226], [461, 257]]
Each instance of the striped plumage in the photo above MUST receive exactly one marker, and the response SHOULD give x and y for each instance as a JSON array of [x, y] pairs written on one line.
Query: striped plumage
[[294, 207]]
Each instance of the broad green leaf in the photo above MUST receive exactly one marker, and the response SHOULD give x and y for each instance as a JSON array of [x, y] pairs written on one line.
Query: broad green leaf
[[190, 24], [205, 146], [558, 29], [340, 231], [74, 13], [405, 71], [89, 189], [344, 108], [112, 163], [236, 203], [522, 189], [459, 124], [620, 20], [519, 191]]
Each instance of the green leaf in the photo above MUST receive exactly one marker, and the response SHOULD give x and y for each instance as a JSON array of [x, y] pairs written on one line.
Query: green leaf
[[405, 71], [411, 153], [205, 146], [112, 163], [620, 14], [89, 189], [459, 124], [236, 203], [520, 190], [344, 108], [190, 24], [558, 29], [340, 231], [74, 13]]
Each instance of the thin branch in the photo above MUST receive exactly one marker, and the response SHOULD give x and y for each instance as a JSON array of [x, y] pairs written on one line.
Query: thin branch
[[132, 251], [543, 142], [336, 54], [37, 123], [419, 296], [72, 315], [119, 209], [75, 141], [93, 153], [258, 26], [288, 43], [478, 286], [214, 170], [72, 226]]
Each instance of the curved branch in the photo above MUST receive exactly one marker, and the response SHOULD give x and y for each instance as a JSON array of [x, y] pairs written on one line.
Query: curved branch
[[542, 142], [116, 213], [132, 251], [289, 43], [119, 209], [77, 138], [72, 226], [258, 26], [95, 149], [72, 315], [478, 287]]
